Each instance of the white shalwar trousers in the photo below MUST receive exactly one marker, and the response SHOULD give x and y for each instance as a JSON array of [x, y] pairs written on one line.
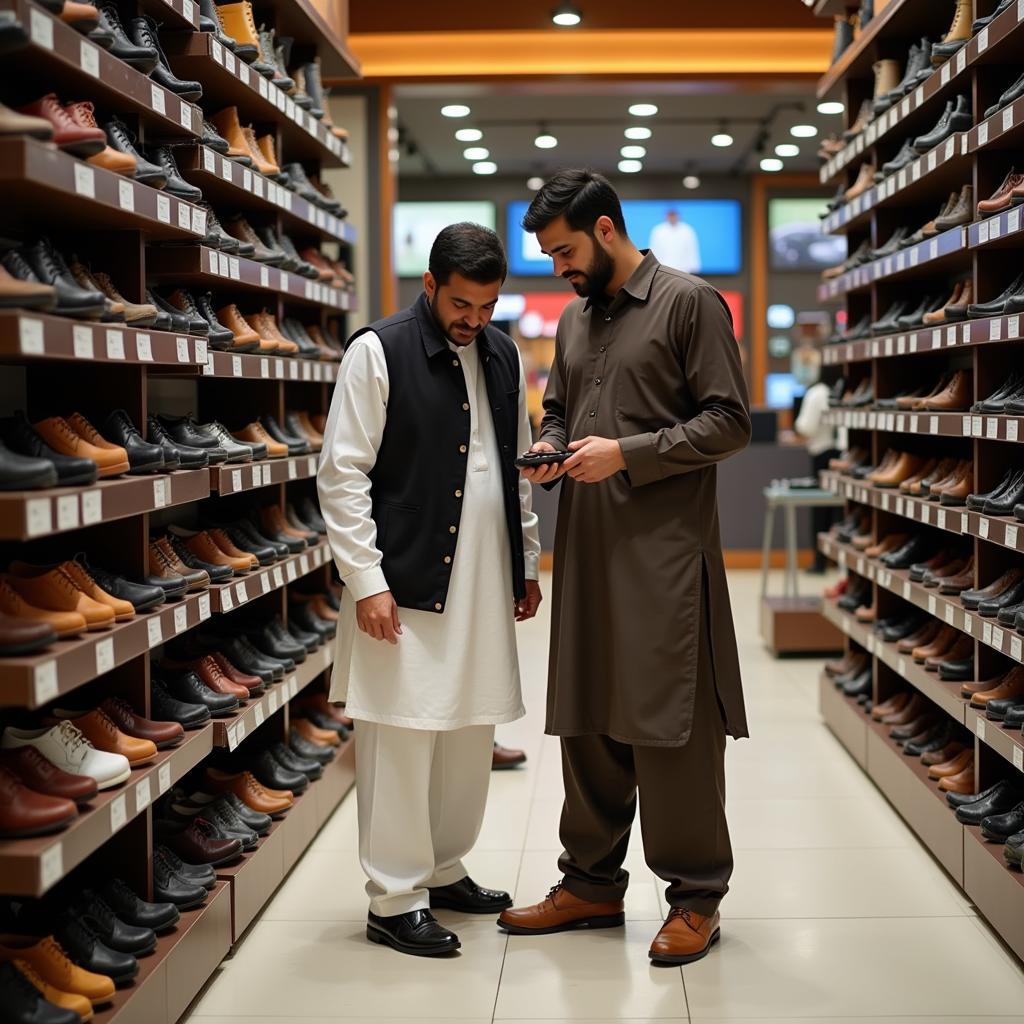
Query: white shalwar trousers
[[421, 796]]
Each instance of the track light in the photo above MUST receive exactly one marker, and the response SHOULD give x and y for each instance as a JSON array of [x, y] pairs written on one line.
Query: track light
[[566, 16]]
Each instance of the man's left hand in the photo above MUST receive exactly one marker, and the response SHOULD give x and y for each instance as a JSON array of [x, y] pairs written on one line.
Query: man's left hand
[[527, 608], [594, 459]]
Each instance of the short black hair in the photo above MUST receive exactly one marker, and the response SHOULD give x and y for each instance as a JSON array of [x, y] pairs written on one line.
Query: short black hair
[[468, 249], [581, 196]]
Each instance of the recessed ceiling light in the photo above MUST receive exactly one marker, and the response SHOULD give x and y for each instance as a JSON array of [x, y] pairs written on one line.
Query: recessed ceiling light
[[485, 167], [566, 16], [630, 166], [643, 110], [545, 141], [830, 107], [787, 149], [469, 135], [803, 131], [394, 155], [455, 110], [771, 164], [637, 132], [476, 153], [534, 183], [722, 140], [633, 152], [691, 181]]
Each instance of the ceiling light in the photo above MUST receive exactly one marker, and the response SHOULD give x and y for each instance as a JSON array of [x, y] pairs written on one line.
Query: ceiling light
[[455, 110], [485, 167], [830, 107], [394, 155], [566, 16], [545, 141], [638, 132], [803, 131], [633, 152], [643, 110], [787, 149], [476, 153], [691, 181], [469, 135], [630, 166], [771, 164], [722, 140], [535, 183]]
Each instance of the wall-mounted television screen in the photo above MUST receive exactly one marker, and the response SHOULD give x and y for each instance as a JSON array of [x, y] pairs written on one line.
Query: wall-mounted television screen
[[795, 238], [697, 236], [416, 225]]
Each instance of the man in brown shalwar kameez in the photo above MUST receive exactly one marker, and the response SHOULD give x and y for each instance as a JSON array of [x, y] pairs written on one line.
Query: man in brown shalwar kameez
[[647, 391]]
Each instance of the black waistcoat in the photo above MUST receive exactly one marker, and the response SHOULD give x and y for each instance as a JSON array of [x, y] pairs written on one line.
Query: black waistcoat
[[420, 473]]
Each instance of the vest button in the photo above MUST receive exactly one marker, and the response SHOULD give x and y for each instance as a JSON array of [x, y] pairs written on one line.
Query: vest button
[[437, 607], [458, 494], [455, 362], [591, 413], [463, 449], [465, 406], [452, 529], [447, 559]]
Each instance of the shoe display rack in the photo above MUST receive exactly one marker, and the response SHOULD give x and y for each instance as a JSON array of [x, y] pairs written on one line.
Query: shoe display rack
[[927, 350], [163, 359]]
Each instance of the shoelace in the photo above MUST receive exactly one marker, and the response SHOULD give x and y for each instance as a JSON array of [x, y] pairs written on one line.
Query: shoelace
[[120, 704], [162, 556], [680, 912], [87, 112], [65, 582]]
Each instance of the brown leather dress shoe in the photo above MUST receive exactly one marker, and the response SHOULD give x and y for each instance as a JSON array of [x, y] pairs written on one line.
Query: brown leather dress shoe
[[505, 758], [124, 716], [952, 767], [923, 636], [962, 781], [947, 753], [685, 936], [99, 729], [24, 812], [230, 128], [250, 791], [1011, 685], [905, 466], [893, 706], [912, 709], [39, 773], [252, 683], [561, 911], [1002, 198]]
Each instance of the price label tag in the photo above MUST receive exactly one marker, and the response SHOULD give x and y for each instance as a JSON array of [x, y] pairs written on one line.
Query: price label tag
[[976, 426], [236, 366], [40, 29], [226, 602], [218, 51], [986, 633], [229, 62], [236, 479], [257, 186], [933, 604], [912, 344], [144, 348], [181, 347], [240, 730], [1007, 119], [227, 170], [279, 368], [51, 865], [983, 230], [997, 637], [142, 796], [44, 682], [293, 686], [126, 195], [89, 58], [266, 474], [272, 702], [980, 727], [159, 492], [92, 507], [163, 209], [241, 595], [247, 180], [259, 714], [983, 528], [265, 583], [278, 577], [1013, 221], [243, 73], [995, 330], [104, 655], [157, 101], [81, 338], [31, 336], [1015, 648], [235, 268], [184, 217], [222, 265], [983, 133], [180, 619], [968, 624], [949, 614], [265, 368], [995, 228], [155, 631], [291, 572], [933, 424], [304, 564], [257, 476], [204, 607], [232, 737], [1011, 430], [940, 521], [947, 73], [992, 428], [1011, 537], [85, 181], [188, 10], [261, 85], [1018, 758], [925, 513]]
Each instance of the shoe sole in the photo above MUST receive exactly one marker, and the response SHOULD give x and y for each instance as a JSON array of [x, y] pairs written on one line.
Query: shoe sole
[[675, 961], [508, 767], [383, 939], [442, 904], [607, 921], [108, 783], [189, 905]]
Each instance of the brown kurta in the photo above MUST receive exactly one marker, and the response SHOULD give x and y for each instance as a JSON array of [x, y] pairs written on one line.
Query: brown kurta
[[659, 369]]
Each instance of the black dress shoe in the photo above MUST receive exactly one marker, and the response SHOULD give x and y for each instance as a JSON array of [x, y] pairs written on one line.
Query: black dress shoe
[[959, 799], [188, 687], [256, 820], [47, 265], [185, 456], [144, 33], [141, 596], [1012, 595], [288, 651], [308, 750], [19, 436], [999, 827], [23, 1003], [217, 336], [996, 306], [228, 824], [142, 456], [84, 946], [416, 933], [211, 137], [123, 140], [217, 573], [115, 933], [142, 58], [188, 714], [1003, 796], [919, 548], [935, 739], [287, 758], [263, 552], [185, 430], [274, 775], [178, 319], [198, 874], [296, 445], [177, 186], [132, 909], [302, 615], [956, 671], [1002, 504], [241, 653], [997, 710], [309, 640], [170, 887], [24, 472], [469, 898], [246, 528], [859, 686]]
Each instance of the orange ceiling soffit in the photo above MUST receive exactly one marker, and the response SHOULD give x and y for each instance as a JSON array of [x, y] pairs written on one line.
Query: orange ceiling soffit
[[446, 55]]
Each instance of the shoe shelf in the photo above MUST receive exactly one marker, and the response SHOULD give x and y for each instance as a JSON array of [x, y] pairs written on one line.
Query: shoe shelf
[[230, 479], [993, 888], [253, 367], [42, 184], [36, 680], [225, 597], [169, 978], [1008, 743], [75, 68], [928, 257], [229, 185], [27, 515], [210, 269], [173, 14], [303, 21], [999, 232], [945, 167], [29, 867], [232, 730], [228, 81], [947, 424], [26, 335]]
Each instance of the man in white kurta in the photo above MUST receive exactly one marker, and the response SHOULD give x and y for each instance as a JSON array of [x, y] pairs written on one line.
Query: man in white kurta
[[425, 704]]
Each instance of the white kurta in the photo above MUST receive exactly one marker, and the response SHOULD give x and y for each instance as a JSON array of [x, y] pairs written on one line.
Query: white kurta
[[449, 670]]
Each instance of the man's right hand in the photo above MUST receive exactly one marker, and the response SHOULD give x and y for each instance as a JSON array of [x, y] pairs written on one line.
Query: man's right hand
[[377, 617], [544, 474]]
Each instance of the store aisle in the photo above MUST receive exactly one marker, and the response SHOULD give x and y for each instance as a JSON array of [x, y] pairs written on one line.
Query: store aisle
[[836, 912]]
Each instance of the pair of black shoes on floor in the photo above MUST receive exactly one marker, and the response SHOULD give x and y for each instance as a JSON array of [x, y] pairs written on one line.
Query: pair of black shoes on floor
[[419, 933]]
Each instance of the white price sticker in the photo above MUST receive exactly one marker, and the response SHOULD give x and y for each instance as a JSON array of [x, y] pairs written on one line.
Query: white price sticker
[[264, 277], [51, 865], [1011, 430], [44, 682], [906, 590], [144, 348], [30, 336], [279, 368], [283, 281], [181, 347], [265, 368], [184, 217], [940, 520], [983, 231], [163, 777], [163, 209], [1013, 324], [104, 655], [291, 572], [126, 195], [226, 603], [142, 795], [82, 340], [41, 29], [949, 614], [1011, 537], [259, 714], [257, 476], [240, 730], [265, 583], [983, 526], [967, 426], [1007, 119], [157, 101], [236, 480], [992, 428], [241, 594], [236, 366], [154, 631], [997, 638], [1018, 758], [85, 181], [983, 133], [1015, 648], [222, 264], [232, 737], [204, 607], [180, 619], [229, 61], [968, 624], [218, 51], [278, 577], [979, 727], [89, 58], [986, 632], [160, 490], [272, 701], [235, 270], [92, 507], [1013, 221], [933, 604]]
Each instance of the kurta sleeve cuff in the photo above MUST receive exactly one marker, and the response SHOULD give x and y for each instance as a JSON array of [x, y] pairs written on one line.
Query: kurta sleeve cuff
[[641, 458], [366, 583], [532, 561]]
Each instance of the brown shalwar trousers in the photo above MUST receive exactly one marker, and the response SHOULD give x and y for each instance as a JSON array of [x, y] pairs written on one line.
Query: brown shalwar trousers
[[682, 811]]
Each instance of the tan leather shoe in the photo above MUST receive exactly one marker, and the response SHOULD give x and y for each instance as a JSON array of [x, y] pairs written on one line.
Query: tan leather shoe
[[929, 467], [239, 23], [868, 614], [327, 351], [99, 729], [1011, 685], [245, 337], [942, 643], [910, 711], [227, 124], [48, 959], [250, 791], [139, 314], [561, 911], [65, 1000], [894, 705], [1002, 198], [889, 459], [123, 610], [963, 781], [322, 737], [82, 17], [920, 488], [65, 623], [938, 316], [58, 433], [888, 543], [255, 434], [265, 323], [265, 144], [957, 395], [274, 519], [258, 160], [982, 685], [56, 590], [111, 160], [962, 760], [887, 77], [204, 548], [315, 438], [947, 753], [865, 180], [81, 273], [956, 491], [685, 936], [963, 648], [925, 635], [229, 548], [903, 468], [935, 488], [164, 560]]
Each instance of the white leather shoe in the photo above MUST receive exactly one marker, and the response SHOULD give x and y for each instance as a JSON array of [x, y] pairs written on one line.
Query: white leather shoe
[[66, 747]]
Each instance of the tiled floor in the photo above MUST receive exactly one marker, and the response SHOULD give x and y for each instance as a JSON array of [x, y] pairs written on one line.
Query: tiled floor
[[836, 914]]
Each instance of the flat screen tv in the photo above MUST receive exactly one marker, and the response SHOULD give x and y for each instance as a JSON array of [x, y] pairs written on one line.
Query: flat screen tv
[[417, 224], [795, 238]]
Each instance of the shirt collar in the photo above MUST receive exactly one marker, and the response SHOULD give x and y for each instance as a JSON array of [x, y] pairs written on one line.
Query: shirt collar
[[638, 286], [434, 341]]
